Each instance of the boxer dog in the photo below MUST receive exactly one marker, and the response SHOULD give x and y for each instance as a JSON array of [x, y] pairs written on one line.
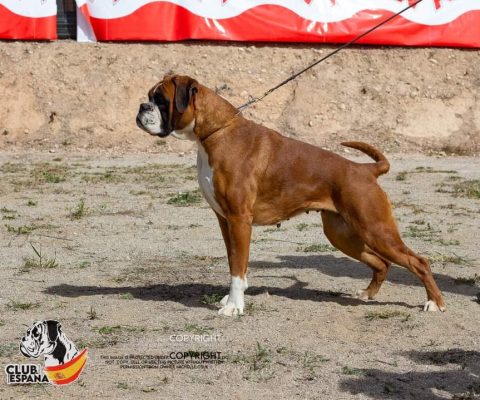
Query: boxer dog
[[47, 338], [252, 175]]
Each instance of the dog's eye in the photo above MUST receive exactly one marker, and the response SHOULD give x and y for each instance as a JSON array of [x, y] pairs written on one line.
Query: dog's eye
[[35, 332], [160, 101]]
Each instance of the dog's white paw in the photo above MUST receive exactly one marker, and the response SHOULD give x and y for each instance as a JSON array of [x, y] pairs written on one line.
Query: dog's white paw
[[231, 310], [224, 301], [361, 294], [233, 303], [430, 305]]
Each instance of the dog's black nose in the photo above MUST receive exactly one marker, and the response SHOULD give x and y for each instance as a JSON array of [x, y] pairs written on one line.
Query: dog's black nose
[[145, 107]]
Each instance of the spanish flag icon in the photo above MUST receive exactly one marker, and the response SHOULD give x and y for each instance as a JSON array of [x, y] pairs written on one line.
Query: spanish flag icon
[[68, 372]]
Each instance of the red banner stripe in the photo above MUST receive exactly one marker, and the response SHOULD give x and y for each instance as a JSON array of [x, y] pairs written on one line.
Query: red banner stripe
[[163, 21], [14, 26]]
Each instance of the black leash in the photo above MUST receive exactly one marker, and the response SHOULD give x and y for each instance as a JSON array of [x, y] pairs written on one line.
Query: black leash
[[254, 100]]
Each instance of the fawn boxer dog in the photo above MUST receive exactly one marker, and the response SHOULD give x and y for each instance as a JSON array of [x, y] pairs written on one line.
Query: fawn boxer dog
[[252, 175]]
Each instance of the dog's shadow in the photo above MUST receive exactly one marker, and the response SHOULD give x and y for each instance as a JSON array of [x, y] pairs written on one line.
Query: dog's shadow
[[342, 266], [191, 294]]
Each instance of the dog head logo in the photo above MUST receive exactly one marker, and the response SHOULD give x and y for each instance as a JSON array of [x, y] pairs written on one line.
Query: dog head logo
[[63, 363]]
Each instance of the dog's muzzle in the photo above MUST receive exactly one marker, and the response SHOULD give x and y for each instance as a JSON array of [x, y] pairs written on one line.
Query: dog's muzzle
[[150, 120]]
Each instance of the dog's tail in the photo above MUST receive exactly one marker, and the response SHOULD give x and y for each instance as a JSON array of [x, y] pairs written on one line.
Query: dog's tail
[[381, 166]]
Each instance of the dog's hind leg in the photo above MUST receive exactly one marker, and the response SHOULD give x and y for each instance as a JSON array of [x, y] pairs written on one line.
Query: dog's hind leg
[[370, 215], [390, 246], [344, 238]]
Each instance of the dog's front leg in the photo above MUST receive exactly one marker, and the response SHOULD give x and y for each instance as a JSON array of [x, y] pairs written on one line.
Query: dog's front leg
[[226, 239], [239, 233], [226, 236]]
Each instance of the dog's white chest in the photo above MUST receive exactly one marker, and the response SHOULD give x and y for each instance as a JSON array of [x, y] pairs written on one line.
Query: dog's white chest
[[205, 180]]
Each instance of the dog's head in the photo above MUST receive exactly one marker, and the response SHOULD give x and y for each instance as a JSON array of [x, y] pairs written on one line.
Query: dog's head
[[41, 338], [169, 109]]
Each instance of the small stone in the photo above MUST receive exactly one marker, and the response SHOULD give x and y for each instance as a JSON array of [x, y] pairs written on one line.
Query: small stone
[[310, 123]]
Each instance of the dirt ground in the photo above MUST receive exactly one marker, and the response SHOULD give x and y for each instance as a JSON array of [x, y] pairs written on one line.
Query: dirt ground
[[103, 229], [127, 262], [76, 97]]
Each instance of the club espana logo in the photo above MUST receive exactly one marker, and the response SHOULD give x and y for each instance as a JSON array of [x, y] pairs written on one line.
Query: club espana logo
[[63, 362]]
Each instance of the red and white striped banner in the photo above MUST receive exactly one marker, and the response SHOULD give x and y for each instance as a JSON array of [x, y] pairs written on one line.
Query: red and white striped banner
[[429, 23], [28, 19]]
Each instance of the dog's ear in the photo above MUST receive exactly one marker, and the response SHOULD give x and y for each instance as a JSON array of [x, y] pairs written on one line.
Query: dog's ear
[[185, 88], [54, 330]]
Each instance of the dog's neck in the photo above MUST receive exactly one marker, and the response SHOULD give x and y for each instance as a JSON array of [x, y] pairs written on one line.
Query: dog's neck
[[221, 110]]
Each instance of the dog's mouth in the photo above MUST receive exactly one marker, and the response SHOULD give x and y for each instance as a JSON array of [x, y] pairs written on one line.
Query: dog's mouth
[[143, 125]]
